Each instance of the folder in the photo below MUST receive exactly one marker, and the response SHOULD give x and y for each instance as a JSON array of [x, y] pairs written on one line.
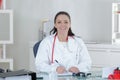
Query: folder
[[18, 73]]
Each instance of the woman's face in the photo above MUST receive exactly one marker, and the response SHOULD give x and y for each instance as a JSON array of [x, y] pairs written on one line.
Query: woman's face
[[62, 24]]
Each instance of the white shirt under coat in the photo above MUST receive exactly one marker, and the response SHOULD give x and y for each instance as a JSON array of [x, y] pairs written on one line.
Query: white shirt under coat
[[68, 54]]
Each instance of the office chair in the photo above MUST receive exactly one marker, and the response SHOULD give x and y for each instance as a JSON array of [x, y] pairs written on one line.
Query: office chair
[[35, 48]]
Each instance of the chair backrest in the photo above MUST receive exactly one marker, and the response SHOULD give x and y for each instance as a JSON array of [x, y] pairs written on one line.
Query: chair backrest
[[35, 48]]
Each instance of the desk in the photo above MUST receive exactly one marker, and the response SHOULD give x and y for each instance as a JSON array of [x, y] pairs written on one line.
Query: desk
[[94, 76]]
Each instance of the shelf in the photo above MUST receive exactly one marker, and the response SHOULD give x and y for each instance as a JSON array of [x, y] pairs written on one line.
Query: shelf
[[6, 32], [10, 61], [116, 23]]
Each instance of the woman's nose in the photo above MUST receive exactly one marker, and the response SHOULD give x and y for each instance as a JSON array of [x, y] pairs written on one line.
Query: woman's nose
[[63, 24]]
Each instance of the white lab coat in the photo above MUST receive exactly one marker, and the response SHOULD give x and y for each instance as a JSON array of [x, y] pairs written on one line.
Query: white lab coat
[[69, 54]]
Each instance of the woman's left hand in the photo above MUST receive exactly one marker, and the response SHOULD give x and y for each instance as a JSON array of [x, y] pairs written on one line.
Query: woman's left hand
[[74, 70]]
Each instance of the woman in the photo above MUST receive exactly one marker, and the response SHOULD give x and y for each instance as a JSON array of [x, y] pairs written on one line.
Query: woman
[[62, 51]]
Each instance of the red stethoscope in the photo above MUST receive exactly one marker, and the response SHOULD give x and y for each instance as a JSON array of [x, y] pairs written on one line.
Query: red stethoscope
[[53, 46], [1, 4]]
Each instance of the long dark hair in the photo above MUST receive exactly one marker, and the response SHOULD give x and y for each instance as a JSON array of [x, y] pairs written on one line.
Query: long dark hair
[[54, 30]]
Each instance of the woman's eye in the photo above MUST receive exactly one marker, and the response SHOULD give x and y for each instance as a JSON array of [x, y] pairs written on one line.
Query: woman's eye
[[58, 22], [66, 22]]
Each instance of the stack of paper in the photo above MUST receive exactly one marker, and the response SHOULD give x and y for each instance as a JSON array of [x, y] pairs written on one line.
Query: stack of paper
[[18, 75], [26, 77], [2, 79]]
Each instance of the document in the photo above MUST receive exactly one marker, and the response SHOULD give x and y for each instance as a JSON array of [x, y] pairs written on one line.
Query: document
[[1, 78], [65, 74], [41, 74], [18, 75], [25, 77]]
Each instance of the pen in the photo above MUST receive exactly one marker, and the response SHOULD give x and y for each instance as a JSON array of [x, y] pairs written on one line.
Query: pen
[[58, 62], [62, 67]]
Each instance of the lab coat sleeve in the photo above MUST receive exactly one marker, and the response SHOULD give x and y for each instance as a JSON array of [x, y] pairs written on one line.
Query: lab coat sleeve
[[84, 60], [42, 61]]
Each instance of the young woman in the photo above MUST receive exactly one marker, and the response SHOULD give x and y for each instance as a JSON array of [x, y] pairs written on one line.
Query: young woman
[[62, 51]]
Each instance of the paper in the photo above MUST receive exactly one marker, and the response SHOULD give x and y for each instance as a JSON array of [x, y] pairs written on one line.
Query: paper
[[65, 74], [26, 77], [107, 71], [40, 75], [2, 79]]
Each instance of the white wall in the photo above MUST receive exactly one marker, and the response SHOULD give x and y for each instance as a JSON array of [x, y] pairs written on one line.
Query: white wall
[[91, 19]]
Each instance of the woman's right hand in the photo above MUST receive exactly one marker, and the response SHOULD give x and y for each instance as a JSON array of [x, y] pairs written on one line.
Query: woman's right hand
[[60, 69]]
